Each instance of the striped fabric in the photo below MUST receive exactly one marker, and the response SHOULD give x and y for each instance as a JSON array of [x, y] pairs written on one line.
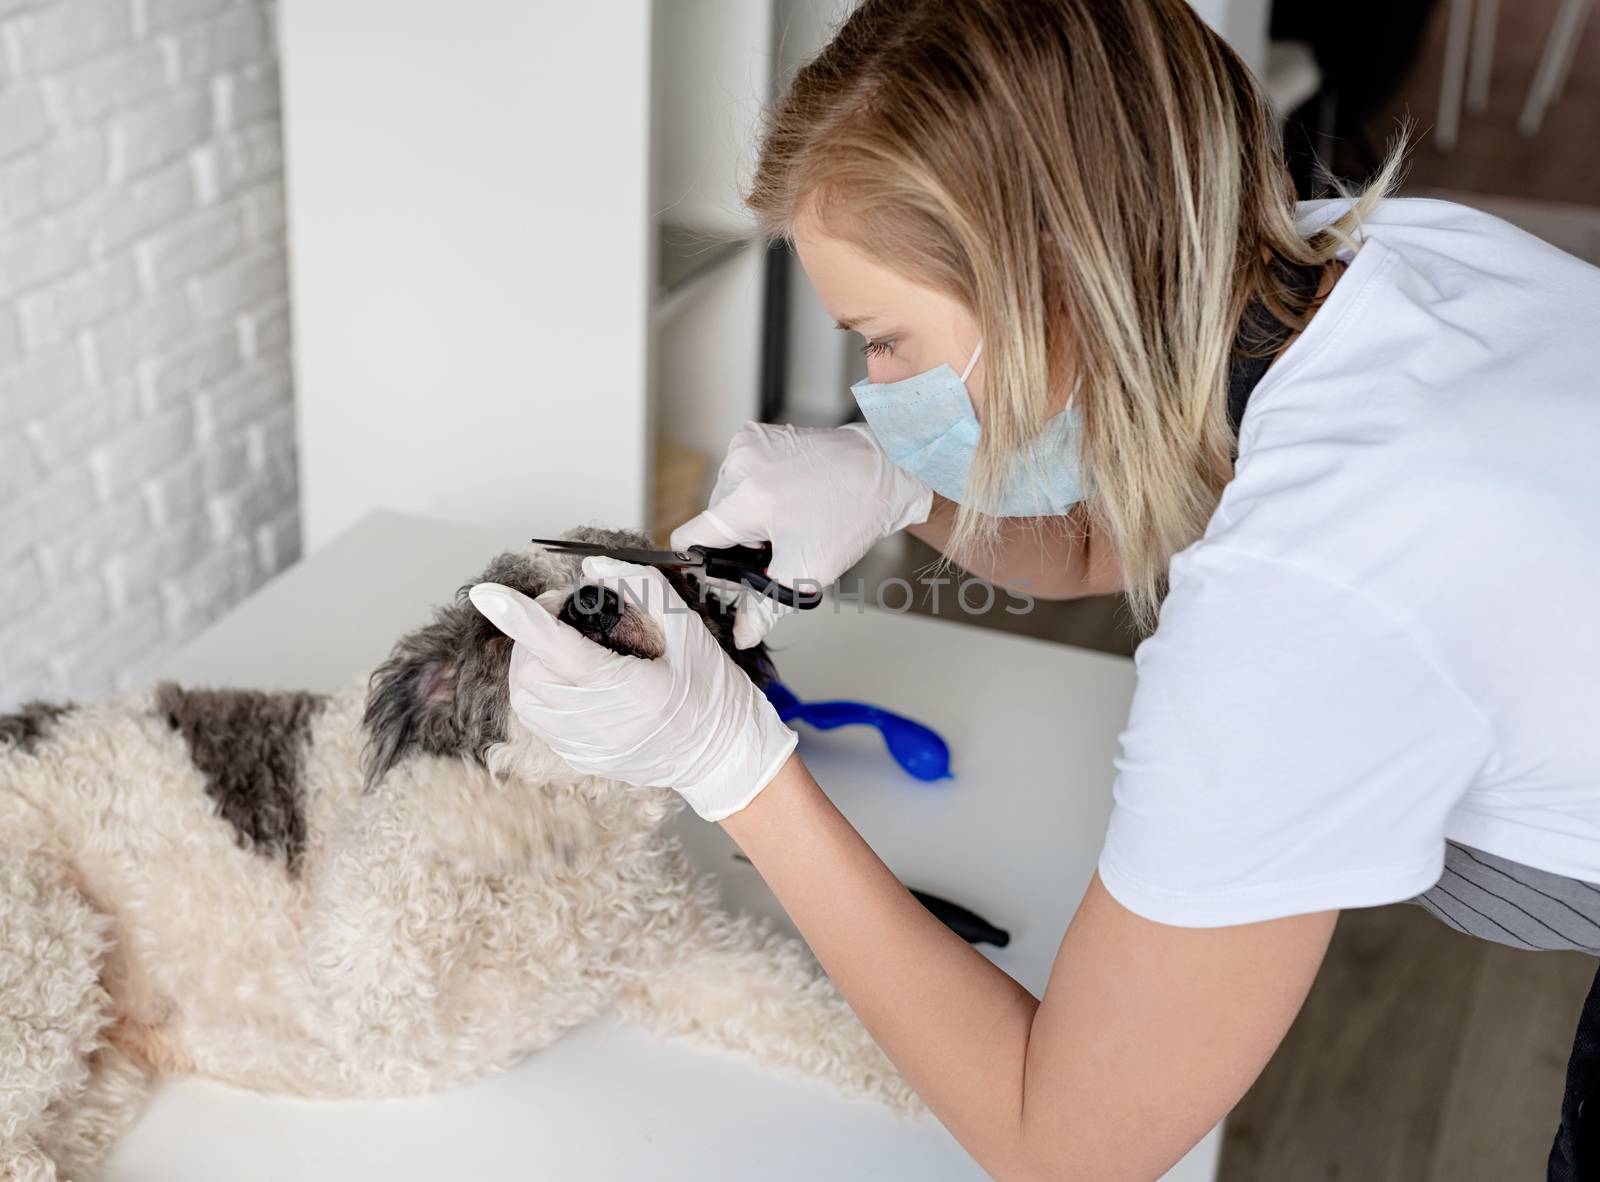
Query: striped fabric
[[1488, 896]]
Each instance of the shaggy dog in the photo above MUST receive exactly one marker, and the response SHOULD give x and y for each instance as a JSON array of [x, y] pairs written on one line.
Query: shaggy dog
[[373, 893]]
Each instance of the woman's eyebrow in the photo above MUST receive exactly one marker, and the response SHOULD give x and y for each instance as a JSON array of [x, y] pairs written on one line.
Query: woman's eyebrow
[[848, 323]]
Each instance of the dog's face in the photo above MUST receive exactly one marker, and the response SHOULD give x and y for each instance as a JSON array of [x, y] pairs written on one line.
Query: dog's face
[[444, 690]]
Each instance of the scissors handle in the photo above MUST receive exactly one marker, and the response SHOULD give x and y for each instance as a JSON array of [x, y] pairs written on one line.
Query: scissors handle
[[748, 565]]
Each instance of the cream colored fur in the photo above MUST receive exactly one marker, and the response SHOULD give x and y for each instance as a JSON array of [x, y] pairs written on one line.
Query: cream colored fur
[[444, 924]]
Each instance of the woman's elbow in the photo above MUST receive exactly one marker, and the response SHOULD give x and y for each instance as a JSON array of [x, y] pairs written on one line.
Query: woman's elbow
[[1051, 1162], [1050, 1147]]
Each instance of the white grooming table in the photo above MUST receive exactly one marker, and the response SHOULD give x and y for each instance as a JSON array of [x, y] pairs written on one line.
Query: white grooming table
[[1032, 727]]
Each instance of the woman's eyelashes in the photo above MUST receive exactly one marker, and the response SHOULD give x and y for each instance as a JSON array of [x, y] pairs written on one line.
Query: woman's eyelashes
[[879, 348]]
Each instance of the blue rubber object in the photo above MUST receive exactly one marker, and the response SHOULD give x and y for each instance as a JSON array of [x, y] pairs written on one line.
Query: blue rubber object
[[916, 748]]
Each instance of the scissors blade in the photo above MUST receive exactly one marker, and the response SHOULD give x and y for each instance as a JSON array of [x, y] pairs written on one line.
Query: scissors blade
[[621, 553]]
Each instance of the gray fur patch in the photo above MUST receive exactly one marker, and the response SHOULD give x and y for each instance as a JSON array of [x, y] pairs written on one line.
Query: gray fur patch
[[443, 689], [249, 744], [30, 723]]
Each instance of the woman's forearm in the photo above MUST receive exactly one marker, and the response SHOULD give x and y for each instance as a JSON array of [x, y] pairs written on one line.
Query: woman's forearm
[[955, 1025], [1146, 1036], [1046, 557]]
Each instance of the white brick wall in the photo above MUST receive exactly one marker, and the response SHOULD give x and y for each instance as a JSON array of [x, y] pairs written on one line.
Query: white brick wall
[[148, 476]]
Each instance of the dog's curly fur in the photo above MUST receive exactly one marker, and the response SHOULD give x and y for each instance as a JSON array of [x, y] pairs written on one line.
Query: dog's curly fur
[[370, 893]]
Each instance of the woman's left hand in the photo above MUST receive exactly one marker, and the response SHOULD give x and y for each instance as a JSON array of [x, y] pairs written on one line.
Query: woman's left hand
[[689, 719]]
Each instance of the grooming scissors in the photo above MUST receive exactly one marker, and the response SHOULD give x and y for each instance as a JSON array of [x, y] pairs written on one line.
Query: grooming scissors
[[736, 564]]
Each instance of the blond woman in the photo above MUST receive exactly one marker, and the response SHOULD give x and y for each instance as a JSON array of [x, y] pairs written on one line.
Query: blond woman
[[1340, 456]]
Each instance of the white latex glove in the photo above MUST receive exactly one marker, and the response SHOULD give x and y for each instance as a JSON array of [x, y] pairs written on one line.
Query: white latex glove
[[822, 496], [690, 719]]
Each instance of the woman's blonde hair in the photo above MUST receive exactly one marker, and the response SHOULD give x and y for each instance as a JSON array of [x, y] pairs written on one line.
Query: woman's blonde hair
[[1101, 184]]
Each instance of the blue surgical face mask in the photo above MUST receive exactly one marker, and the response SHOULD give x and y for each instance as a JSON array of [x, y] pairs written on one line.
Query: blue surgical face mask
[[927, 427]]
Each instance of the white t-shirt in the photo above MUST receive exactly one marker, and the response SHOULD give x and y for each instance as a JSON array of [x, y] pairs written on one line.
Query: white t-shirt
[[1390, 633]]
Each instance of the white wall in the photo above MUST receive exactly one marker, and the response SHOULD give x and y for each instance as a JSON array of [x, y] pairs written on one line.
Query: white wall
[[469, 191], [712, 72], [708, 356], [820, 361], [1243, 23], [147, 467]]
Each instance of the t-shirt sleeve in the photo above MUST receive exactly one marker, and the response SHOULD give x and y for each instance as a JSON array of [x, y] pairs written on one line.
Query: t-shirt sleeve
[[1291, 748]]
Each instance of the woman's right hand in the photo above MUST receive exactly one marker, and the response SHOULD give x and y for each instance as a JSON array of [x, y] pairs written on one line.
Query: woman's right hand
[[822, 496]]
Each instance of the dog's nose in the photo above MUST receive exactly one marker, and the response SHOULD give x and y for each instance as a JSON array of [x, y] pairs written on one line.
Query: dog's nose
[[593, 610]]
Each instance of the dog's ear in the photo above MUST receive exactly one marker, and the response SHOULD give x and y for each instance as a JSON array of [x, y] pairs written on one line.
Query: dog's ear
[[441, 692], [718, 614], [405, 694]]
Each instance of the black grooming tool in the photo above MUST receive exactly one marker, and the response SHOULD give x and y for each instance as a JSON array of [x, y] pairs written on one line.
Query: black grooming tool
[[736, 564], [969, 925]]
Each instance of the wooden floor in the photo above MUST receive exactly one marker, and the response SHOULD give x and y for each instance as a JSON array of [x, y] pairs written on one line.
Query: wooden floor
[[1422, 1055], [1560, 164]]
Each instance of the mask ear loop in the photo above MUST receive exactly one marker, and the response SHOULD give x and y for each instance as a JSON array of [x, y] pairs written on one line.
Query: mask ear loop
[[973, 360], [1072, 394]]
